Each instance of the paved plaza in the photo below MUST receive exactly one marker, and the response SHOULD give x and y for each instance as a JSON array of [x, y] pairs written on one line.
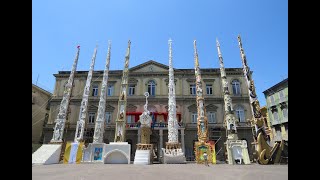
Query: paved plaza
[[188, 171]]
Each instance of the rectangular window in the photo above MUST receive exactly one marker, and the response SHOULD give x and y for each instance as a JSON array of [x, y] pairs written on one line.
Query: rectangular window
[[281, 95], [209, 89], [272, 100], [130, 119], [193, 89], [212, 117], [108, 117], [236, 87], [110, 90], [131, 90], [285, 113], [194, 117], [240, 115], [91, 117], [275, 116], [95, 90]]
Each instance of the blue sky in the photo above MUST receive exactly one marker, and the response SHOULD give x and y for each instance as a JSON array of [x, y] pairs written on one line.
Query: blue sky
[[59, 25]]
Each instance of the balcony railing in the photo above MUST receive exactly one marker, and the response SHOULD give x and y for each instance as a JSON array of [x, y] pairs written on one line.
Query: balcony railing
[[153, 125]]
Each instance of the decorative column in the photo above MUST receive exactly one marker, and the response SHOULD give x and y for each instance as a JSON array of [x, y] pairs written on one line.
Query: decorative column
[[263, 152], [122, 103], [84, 103], [230, 119], [62, 115], [99, 126]]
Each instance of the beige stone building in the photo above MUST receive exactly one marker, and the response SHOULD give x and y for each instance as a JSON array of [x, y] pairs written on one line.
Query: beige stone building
[[152, 76], [40, 112]]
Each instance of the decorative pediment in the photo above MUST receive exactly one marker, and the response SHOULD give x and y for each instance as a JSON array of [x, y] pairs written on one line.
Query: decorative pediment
[[192, 108], [168, 107], [111, 82], [191, 80], [152, 108], [211, 107], [93, 108], [132, 81], [147, 82], [150, 66], [109, 108], [167, 81], [131, 108], [208, 80]]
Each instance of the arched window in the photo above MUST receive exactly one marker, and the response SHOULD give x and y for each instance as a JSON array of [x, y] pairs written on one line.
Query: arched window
[[236, 87], [152, 88], [240, 113]]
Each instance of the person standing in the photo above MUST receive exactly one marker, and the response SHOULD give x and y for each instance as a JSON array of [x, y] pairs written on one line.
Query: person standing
[[205, 157]]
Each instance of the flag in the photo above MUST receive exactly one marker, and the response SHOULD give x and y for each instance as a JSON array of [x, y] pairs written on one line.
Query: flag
[[73, 153]]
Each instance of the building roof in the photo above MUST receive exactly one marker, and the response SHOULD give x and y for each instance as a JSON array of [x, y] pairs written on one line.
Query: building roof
[[276, 86], [163, 66], [42, 90]]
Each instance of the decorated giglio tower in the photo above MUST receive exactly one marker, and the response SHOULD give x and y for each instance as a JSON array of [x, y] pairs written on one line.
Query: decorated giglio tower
[[236, 150], [201, 146], [84, 103], [230, 119], [202, 121], [255, 105], [172, 154], [264, 153], [99, 125], [172, 111], [62, 115], [122, 103]]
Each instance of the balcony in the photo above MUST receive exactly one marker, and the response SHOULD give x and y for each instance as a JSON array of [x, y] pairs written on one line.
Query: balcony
[[156, 125]]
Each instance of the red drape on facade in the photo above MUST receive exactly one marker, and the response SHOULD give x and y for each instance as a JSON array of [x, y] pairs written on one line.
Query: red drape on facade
[[165, 115], [136, 118]]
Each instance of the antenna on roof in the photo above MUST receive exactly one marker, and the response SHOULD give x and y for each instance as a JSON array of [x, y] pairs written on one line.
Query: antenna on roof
[[37, 80]]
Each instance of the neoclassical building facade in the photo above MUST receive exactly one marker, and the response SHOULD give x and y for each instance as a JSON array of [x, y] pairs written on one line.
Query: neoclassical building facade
[[152, 76]]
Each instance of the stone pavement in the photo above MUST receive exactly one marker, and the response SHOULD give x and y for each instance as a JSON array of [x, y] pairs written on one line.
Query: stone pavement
[[188, 171]]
